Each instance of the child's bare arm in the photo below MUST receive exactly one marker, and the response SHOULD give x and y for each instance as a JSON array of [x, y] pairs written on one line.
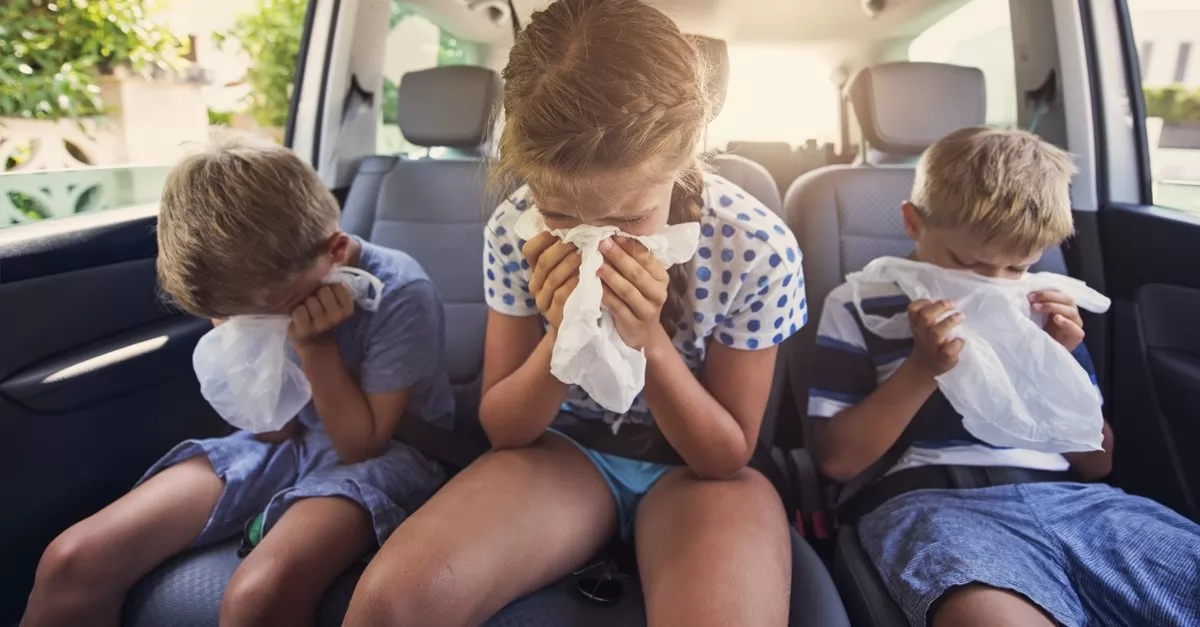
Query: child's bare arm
[[854, 438], [355, 429], [359, 425], [1065, 325], [1094, 465]]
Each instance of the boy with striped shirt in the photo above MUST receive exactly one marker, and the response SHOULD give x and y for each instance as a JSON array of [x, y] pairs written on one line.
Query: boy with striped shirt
[[959, 529]]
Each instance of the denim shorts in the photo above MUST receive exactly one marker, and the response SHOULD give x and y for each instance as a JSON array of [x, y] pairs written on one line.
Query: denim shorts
[[628, 480], [266, 479], [1087, 554]]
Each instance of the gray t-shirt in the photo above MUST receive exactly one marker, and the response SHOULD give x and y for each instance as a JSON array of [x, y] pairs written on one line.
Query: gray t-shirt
[[402, 344]]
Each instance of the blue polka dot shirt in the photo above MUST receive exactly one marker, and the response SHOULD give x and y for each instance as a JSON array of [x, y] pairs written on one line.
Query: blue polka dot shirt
[[746, 291]]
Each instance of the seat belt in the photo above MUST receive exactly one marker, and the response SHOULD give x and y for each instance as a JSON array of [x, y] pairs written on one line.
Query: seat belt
[[877, 470], [449, 447], [1041, 98], [514, 20], [357, 101]]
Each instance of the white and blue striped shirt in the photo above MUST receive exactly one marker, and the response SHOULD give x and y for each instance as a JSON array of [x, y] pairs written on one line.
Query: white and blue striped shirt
[[851, 362]]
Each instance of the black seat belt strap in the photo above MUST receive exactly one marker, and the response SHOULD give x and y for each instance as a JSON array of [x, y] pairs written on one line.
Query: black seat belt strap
[[448, 447], [877, 470]]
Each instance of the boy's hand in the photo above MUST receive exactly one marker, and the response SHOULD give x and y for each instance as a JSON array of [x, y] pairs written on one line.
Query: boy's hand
[[934, 353], [635, 289], [1063, 321], [314, 320], [555, 274]]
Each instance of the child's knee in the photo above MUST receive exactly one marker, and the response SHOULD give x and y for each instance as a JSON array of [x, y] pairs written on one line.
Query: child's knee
[[76, 558], [966, 605], [255, 594], [409, 596]]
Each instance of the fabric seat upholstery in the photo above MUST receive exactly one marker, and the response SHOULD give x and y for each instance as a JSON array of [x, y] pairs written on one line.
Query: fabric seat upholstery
[[847, 215]]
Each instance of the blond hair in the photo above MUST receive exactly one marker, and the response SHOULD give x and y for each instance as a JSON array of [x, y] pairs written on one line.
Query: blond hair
[[595, 88], [1005, 186], [238, 218]]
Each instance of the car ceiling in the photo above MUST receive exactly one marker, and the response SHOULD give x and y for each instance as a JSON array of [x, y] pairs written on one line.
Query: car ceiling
[[810, 22]]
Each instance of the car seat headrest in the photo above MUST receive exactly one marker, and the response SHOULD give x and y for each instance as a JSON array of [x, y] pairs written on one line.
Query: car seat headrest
[[904, 107], [447, 106], [715, 53]]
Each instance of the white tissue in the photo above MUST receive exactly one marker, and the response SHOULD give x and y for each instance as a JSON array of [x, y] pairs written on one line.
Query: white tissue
[[1014, 385], [589, 352], [243, 366]]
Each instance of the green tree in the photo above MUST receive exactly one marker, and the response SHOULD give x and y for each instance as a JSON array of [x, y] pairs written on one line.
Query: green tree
[[53, 51], [1174, 103], [269, 35]]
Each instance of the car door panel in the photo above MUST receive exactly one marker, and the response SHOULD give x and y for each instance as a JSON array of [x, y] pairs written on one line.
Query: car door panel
[[96, 379], [1150, 260], [108, 368], [1170, 328]]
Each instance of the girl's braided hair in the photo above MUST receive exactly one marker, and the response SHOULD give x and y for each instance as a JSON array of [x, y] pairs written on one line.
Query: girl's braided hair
[[595, 87]]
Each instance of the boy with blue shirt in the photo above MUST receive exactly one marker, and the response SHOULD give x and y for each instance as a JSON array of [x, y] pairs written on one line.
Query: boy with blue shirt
[[247, 228], [1035, 546]]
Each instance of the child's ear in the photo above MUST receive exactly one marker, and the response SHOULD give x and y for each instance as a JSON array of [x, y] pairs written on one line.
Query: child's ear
[[912, 220], [339, 248]]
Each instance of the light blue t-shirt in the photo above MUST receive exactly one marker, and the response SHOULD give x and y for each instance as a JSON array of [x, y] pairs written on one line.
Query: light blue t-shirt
[[746, 289], [402, 344]]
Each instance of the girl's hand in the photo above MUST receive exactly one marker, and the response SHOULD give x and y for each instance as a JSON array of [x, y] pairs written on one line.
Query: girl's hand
[[1063, 321], [555, 274], [315, 319], [635, 289]]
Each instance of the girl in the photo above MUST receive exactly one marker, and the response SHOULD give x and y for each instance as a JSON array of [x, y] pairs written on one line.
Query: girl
[[606, 106]]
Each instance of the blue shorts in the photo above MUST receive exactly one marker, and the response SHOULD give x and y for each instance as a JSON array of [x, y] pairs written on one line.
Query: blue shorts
[[628, 480], [1087, 554], [262, 478]]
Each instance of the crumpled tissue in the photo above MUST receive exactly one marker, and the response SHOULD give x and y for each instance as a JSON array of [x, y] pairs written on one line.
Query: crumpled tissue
[[244, 369], [589, 352], [1014, 385]]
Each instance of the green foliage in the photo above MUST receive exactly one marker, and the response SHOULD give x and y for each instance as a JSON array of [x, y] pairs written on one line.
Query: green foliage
[[269, 35], [1173, 104], [389, 101], [219, 118], [52, 51]]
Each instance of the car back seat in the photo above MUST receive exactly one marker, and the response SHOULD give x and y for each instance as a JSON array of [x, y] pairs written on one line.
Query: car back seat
[[435, 210], [847, 215]]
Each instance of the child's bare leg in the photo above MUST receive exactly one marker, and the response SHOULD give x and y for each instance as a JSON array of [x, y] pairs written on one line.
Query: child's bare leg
[[85, 572], [283, 580]]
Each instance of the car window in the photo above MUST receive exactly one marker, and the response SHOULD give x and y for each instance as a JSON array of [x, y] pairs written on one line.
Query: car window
[[414, 43], [1168, 45], [759, 106], [96, 103], [978, 34]]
